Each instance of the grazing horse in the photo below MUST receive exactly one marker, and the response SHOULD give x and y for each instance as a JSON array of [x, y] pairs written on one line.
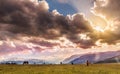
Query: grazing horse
[[25, 62]]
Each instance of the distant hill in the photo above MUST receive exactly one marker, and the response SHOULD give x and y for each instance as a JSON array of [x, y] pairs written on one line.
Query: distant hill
[[115, 59], [92, 57], [31, 61]]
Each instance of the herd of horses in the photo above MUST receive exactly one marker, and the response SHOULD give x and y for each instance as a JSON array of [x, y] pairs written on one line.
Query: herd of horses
[[13, 63]]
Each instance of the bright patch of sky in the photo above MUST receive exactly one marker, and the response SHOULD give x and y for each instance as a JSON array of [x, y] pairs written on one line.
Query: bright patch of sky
[[71, 6], [63, 8]]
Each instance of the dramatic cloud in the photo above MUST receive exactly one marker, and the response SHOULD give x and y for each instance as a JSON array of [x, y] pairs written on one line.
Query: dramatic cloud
[[109, 10], [105, 18], [25, 18]]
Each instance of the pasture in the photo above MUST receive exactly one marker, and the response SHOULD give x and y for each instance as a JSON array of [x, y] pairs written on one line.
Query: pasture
[[61, 69]]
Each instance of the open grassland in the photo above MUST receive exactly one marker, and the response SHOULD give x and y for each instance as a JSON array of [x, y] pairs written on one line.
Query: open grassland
[[61, 69]]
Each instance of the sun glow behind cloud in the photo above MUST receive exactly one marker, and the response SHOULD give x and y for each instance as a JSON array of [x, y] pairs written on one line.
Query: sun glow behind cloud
[[99, 29]]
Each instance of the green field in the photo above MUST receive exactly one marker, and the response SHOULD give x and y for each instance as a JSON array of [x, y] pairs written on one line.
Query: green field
[[60, 69]]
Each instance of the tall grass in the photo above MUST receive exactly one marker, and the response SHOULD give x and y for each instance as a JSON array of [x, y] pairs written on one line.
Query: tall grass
[[61, 69]]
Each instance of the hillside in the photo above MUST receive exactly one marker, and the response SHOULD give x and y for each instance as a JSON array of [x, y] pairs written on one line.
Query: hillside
[[115, 59], [91, 57]]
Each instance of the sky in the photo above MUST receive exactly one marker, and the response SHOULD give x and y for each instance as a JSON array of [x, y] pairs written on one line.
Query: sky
[[53, 30]]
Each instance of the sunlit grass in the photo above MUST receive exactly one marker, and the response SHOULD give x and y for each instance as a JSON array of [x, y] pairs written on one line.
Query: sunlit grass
[[60, 69]]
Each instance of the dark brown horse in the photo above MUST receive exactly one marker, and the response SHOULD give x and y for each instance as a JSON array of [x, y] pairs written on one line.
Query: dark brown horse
[[25, 62]]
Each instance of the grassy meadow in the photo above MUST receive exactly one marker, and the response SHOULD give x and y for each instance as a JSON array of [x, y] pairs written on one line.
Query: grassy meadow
[[61, 69]]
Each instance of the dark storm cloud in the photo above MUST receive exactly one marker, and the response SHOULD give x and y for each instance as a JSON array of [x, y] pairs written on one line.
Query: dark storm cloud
[[18, 17], [44, 43]]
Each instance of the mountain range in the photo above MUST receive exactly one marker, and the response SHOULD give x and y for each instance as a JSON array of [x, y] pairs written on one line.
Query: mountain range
[[93, 57], [115, 59]]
